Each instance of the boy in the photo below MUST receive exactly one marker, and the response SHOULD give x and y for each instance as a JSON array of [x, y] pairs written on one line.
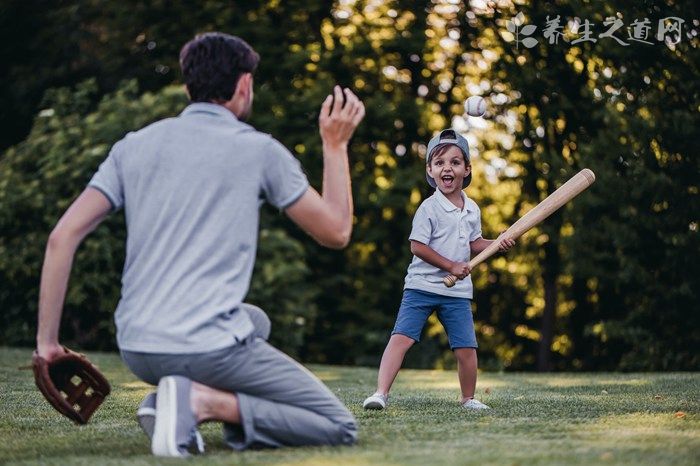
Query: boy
[[446, 230]]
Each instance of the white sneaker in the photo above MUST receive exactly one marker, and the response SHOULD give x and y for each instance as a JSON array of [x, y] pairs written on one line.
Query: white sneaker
[[376, 401], [175, 424], [474, 404], [146, 415]]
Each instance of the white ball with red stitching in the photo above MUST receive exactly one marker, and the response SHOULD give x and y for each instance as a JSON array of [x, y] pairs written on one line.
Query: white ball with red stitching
[[475, 106]]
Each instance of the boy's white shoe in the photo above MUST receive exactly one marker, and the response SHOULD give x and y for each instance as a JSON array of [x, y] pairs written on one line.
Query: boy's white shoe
[[376, 401], [474, 404]]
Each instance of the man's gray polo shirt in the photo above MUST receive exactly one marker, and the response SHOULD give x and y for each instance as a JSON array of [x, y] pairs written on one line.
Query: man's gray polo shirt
[[448, 230], [191, 187]]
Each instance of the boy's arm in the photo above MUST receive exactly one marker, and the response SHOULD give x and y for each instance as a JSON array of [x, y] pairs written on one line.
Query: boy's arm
[[480, 244], [83, 216], [429, 255], [327, 217]]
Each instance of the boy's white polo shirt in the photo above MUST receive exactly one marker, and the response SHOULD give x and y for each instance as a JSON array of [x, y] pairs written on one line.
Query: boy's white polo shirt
[[447, 230]]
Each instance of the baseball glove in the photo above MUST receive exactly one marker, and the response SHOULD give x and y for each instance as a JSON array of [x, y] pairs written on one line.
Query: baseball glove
[[71, 384]]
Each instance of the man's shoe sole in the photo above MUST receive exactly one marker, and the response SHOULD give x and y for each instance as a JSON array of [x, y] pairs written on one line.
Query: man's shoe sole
[[164, 441], [146, 418]]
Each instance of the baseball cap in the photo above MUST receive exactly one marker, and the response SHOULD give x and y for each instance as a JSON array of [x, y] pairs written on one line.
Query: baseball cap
[[448, 136]]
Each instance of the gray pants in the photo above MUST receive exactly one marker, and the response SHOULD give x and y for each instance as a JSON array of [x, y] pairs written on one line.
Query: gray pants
[[281, 402]]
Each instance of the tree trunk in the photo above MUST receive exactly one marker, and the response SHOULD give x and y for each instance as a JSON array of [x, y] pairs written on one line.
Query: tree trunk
[[551, 269], [544, 353]]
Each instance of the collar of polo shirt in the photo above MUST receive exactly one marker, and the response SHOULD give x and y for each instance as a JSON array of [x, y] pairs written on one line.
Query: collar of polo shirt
[[210, 108], [449, 206]]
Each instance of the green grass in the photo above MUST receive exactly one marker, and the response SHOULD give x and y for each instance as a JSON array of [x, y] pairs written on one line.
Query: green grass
[[564, 419]]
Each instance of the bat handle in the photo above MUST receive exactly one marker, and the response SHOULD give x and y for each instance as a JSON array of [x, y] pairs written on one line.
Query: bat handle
[[490, 250], [449, 280]]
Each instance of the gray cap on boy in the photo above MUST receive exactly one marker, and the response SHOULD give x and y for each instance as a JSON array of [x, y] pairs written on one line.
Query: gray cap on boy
[[448, 136]]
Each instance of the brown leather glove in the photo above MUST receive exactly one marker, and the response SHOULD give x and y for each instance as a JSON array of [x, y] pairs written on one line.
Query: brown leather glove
[[71, 384]]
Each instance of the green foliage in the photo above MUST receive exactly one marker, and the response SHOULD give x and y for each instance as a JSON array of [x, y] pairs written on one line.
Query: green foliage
[[40, 177], [647, 276], [618, 267], [360, 288], [281, 287], [609, 282]]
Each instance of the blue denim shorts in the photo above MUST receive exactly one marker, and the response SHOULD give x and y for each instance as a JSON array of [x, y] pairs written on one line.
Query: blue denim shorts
[[455, 315]]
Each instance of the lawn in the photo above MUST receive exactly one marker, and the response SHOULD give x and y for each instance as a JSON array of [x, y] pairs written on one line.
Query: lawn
[[564, 419]]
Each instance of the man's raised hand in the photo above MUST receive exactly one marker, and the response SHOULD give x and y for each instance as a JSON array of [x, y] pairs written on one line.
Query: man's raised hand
[[337, 122]]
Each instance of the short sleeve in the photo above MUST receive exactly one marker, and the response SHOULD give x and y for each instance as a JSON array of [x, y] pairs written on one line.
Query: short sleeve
[[108, 178], [476, 227], [284, 181], [422, 226]]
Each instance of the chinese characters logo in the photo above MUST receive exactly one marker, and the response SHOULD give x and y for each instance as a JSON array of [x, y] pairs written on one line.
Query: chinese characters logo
[[668, 30]]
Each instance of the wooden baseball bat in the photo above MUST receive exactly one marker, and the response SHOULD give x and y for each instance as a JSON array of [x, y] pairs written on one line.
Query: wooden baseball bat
[[572, 188]]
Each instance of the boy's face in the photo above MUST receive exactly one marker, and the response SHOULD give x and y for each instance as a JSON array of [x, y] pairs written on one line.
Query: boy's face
[[449, 170]]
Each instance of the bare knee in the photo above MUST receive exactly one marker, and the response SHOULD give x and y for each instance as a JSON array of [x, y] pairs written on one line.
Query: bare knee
[[465, 355], [401, 341]]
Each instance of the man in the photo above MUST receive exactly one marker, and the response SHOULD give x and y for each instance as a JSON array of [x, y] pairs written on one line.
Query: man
[[191, 187]]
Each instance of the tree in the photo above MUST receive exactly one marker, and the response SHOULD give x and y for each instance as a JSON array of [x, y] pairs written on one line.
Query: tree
[[608, 282], [592, 105]]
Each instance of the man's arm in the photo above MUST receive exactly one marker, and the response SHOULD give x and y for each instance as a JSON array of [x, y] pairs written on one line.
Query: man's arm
[[83, 216], [328, 217]]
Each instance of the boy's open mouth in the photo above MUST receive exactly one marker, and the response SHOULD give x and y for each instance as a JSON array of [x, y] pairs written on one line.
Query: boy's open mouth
[[447, 180]]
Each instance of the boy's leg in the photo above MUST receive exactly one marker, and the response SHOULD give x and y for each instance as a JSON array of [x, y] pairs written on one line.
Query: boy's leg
[[392, 359], [466, 370], [416, 307], [456, 317]]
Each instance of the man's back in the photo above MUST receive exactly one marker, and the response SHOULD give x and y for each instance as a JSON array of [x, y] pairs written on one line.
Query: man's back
[[191, 188]]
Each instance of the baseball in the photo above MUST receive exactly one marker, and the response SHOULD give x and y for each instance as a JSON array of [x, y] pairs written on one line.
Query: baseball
[[475, 106]]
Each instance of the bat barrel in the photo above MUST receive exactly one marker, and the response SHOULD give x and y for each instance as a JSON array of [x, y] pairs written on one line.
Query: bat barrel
[[590, 176], [572, 188]]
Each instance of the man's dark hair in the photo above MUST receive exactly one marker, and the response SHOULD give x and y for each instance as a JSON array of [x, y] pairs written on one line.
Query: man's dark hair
[[211, 64]]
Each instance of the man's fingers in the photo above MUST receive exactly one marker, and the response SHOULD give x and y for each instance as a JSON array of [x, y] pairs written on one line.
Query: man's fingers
[[339, 118], [355, 106], [350, 103], [359, 115], [338, 100], [325, 107]]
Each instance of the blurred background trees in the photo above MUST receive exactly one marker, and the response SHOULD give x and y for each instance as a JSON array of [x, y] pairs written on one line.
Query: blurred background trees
[[609, 282]]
